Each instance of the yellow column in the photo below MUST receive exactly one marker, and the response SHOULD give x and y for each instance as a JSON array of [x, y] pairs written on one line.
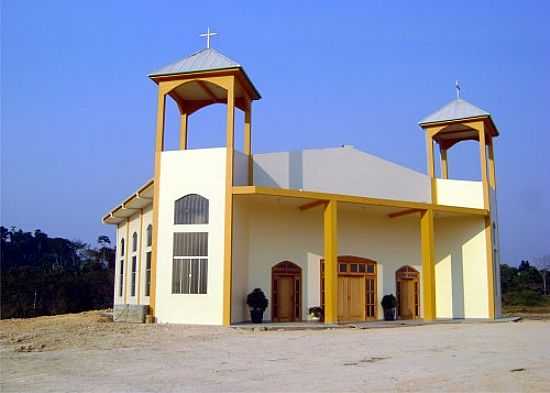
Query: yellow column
[[228, 249], [492, 172], [444, 165], [248, 141], [183, 131], [483, 162], [428, 263], [330, 220], [159, 147], [431, 164]]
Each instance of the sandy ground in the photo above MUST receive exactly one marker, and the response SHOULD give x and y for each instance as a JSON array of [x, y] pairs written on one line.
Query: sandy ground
[[88, 353]]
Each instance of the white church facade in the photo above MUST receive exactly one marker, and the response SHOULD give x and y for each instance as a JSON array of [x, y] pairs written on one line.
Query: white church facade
[[335, 228]]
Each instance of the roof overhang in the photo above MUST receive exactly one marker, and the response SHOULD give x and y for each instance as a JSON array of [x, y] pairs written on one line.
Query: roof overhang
[[142, 198], [390, 206], [458, 125]]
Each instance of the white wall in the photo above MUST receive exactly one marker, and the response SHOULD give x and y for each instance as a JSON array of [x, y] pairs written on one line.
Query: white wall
[[463, 193], [278, 232], [461, 268], [341, 171], [200, 171]]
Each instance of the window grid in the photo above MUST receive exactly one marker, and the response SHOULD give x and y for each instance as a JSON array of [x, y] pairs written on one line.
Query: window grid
[[133, 281], [121, 278], [148, 273], [191, 209]]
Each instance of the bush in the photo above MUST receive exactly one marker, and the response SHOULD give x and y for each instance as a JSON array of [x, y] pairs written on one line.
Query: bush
[[523, 297], [388, 302], [256, 300]]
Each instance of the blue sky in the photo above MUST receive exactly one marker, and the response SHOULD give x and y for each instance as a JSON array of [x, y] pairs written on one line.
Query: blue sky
[[78, 110]]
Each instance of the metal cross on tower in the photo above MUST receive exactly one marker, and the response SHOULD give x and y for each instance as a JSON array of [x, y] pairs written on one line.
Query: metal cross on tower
[[457, 87], [208, 35]]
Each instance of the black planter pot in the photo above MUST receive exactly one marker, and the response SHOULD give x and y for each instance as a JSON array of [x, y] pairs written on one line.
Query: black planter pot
[[389, 314], [257, 315]]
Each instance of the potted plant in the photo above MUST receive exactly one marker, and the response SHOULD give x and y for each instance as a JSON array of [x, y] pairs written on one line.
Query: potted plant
[[315, 313], [389, 303], [257, 302]]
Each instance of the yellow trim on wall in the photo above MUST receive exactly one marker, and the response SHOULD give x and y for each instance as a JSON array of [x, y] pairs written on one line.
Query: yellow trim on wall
[[428, 263], [330, 230], [228, 234]]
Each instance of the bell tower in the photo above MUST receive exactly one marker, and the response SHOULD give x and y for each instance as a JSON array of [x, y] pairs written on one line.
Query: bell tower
[[202, 79], [456, 122], [460, 121]]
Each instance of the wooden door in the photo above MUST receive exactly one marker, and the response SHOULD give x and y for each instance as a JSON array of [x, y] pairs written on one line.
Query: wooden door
[[406, 299], [285, 298], [356, 293], [351, 298], [286, 292]]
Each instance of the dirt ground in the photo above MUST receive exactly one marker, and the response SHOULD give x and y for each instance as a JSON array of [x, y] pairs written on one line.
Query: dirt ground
[[88, 353]]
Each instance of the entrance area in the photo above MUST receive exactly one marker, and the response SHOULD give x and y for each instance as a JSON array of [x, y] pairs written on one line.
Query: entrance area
[[407, 293], [286, 292], [356, 288]]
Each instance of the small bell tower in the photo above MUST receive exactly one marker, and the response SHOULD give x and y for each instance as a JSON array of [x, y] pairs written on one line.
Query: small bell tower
[[459, 121]]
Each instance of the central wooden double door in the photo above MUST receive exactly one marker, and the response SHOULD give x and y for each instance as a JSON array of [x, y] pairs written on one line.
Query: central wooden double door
[[351, 298], [357, 298]]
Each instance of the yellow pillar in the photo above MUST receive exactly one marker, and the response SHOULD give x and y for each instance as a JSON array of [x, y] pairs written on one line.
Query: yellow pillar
[[431, 164], [183, 131], [444, 165], [483, 163], [428, 262], [228, 238], [330, 219], [159, 147], [492, 172], [248, 141]]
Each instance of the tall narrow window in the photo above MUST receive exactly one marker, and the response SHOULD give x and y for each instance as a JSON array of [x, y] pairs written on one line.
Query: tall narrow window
[[134, 242], [191, 209], [148, 273], [121, 278], [134, 271], [190, 263], [149, 231], [122, 247]]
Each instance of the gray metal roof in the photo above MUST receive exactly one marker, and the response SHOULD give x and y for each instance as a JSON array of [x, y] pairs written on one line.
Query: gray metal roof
[[455, 110], [204, 60]]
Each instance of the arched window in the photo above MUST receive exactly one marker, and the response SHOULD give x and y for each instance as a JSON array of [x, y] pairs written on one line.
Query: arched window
[[122, 247], [191, 209], [149, 235], [134, 242]]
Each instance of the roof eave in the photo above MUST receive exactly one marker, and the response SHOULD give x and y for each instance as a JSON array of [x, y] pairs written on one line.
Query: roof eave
[[156, 77], [425, 124]]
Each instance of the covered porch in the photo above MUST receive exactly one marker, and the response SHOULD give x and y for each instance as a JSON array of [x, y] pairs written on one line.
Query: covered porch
[[339, 252]]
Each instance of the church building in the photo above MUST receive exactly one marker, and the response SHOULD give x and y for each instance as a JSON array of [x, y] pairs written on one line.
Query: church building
[[336, 228]]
